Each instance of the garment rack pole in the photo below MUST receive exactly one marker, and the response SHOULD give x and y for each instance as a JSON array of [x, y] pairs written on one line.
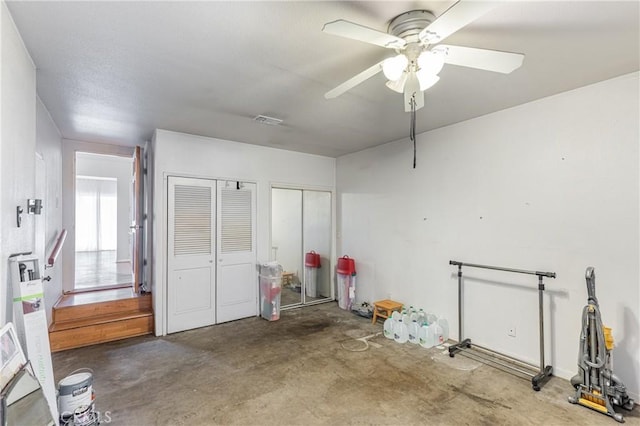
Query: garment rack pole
[[465, 344]]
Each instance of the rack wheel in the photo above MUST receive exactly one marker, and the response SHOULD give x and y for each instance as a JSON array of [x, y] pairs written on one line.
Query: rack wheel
[[536, 388], [452, 354]]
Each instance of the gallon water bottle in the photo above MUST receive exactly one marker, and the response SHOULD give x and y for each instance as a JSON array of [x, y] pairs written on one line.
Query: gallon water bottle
[[421, 317], [405, 316], [426, 339], [437, 334], [413, 332], [431, 318], [400, 332], [432, 339], [388, 326], [397, 316], [442, 322], [413, 316]]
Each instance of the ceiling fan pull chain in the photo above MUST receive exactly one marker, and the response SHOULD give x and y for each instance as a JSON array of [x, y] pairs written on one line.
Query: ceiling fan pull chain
[[412, 130]]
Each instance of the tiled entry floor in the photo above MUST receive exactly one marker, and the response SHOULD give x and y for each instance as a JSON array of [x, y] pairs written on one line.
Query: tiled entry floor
[[98, 269]]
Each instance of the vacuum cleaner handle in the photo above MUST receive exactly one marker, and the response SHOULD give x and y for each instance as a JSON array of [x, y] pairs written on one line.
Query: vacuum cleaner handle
[[590, 276]]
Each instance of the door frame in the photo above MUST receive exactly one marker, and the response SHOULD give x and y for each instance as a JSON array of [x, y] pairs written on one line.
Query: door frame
[[332, 255], [69, 150]]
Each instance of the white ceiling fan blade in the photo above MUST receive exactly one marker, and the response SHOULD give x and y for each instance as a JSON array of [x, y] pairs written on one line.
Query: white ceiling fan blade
[[483, 59], [457, 16], [368, 35], [354, 81]]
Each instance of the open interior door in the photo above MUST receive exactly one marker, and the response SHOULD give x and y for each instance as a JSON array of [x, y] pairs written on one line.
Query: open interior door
[[137, 219]]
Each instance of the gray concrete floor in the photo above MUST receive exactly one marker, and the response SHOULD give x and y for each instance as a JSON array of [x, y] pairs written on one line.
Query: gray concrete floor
[[307, 368]]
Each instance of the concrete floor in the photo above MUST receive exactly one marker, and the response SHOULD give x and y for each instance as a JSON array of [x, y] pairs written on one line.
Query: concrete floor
[[307, 368]]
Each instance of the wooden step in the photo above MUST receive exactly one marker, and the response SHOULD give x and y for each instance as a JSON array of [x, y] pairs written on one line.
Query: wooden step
[[64, 311], [107, 328], [96, 320], [84, 319]]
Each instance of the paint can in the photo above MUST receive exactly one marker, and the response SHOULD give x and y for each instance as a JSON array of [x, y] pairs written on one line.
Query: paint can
[[84, 416], [75, 391]]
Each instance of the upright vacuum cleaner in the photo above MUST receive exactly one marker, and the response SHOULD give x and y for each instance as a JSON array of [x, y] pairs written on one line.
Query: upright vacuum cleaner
[[596, 385]]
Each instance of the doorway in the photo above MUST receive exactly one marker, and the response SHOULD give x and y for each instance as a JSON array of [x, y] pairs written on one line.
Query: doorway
[[103, 213], [301, 226]]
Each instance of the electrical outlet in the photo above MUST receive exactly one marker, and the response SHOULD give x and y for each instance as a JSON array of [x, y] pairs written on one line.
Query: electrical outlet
[[511, 332]]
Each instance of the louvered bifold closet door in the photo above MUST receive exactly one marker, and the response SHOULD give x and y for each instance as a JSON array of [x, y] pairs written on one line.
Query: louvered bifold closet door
[[236, 231], [191, 253], [192, 220], [237, 285]]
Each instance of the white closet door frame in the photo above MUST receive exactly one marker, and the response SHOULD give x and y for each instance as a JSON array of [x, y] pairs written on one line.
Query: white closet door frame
[[333, 255]]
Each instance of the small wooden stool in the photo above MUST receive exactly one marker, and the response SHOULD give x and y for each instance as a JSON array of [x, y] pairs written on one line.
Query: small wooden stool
[[384, 308], [287, 278]]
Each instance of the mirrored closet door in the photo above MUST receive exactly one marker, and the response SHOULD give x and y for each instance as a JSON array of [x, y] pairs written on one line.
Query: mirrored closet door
[[301, 243]]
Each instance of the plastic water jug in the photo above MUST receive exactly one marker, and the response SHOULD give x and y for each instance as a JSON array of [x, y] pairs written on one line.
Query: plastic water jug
[[437, 334], [405, 316], [424, 336], [442, 322], [396, 315], [431, 318], [400, 332], [413, 332], [421, 317], [388, 326]]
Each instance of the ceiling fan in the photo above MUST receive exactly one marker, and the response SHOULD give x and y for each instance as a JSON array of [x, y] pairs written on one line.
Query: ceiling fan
[[415, 36]]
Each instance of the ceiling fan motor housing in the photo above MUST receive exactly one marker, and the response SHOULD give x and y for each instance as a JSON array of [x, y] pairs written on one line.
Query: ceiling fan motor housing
[[409, 24]]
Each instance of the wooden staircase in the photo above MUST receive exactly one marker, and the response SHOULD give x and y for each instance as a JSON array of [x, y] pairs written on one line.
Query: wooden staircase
[[84, 319]]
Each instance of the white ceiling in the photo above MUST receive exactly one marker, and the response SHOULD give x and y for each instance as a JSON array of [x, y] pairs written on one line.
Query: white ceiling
[[114, 71]]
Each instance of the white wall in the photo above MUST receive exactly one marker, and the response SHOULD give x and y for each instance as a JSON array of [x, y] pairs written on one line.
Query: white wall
[[552, 185], [49, 145], [69, 149], [121, 169], [194, 156], [17, 149]]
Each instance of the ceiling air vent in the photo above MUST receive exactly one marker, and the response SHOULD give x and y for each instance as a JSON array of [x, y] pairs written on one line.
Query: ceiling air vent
[[267, 120]]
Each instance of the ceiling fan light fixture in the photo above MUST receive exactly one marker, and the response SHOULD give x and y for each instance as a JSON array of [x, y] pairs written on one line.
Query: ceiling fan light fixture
[[397, 85], [426, 80], [394, 67], [431, 62]]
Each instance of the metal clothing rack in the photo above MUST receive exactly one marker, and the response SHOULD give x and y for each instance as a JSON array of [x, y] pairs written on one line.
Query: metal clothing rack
[[538, 376]]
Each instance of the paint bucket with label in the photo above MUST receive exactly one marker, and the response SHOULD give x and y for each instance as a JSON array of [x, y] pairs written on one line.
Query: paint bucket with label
[[75, 391]]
